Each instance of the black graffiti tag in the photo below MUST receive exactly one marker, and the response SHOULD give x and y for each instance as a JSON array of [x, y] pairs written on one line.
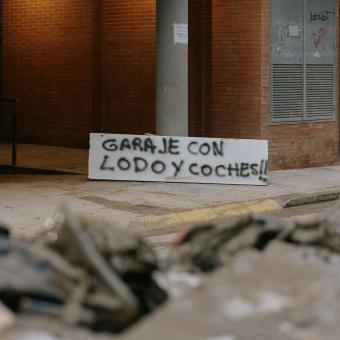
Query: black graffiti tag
[[322, 16]]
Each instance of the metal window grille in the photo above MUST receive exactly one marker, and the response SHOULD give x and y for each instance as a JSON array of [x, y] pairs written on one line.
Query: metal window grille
[[302, 61]]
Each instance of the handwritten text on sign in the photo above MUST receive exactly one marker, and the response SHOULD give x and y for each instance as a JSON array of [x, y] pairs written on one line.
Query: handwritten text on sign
[[178, 159]]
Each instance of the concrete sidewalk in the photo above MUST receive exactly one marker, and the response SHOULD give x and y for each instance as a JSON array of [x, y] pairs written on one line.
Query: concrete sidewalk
[[26, 201]]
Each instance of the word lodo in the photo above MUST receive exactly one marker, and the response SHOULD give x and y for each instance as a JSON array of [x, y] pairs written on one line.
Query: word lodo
[[322, 16], [168, 146], [158, 167]]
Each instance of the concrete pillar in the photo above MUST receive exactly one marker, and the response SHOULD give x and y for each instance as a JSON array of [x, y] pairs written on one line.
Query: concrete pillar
[[172, 68]]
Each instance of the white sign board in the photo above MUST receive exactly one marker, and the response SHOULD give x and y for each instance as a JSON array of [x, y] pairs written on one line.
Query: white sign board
[[178, 159], [181, 34]]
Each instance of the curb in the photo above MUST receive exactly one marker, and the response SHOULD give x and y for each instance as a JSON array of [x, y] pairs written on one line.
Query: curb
[[234, 209], [229, 210], [292, 201]]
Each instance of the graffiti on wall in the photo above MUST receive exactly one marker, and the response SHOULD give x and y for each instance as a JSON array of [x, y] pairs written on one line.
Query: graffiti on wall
[[320, 21], [320, 38], [321, 16]]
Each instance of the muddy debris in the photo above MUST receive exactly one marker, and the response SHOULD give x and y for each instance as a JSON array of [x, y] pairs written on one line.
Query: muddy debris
[[7, 318], [206, 247], [98, 277], [93, 274]]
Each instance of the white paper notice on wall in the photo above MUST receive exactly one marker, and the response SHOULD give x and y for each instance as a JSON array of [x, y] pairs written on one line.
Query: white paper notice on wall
[[293, 31], [181, 35], [178, 159]]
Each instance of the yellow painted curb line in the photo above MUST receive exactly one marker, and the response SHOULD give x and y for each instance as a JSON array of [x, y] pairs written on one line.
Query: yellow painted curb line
[[213, 213]]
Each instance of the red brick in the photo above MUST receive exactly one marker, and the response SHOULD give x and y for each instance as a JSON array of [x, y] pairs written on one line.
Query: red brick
[[79, 66]]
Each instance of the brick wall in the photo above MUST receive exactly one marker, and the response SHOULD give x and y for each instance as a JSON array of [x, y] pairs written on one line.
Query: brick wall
[[48, 66], [236, 52], [80, 65], [240, 89], [128, 66], [129, 41]]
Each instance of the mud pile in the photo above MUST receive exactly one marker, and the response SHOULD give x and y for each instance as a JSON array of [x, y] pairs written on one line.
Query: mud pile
[[83, 272], [260, 278]]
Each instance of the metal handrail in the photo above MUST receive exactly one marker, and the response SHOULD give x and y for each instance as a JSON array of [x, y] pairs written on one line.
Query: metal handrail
[[13, 101]]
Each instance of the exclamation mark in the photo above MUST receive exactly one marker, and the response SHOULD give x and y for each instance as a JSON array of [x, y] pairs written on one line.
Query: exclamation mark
[[263, 171]]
